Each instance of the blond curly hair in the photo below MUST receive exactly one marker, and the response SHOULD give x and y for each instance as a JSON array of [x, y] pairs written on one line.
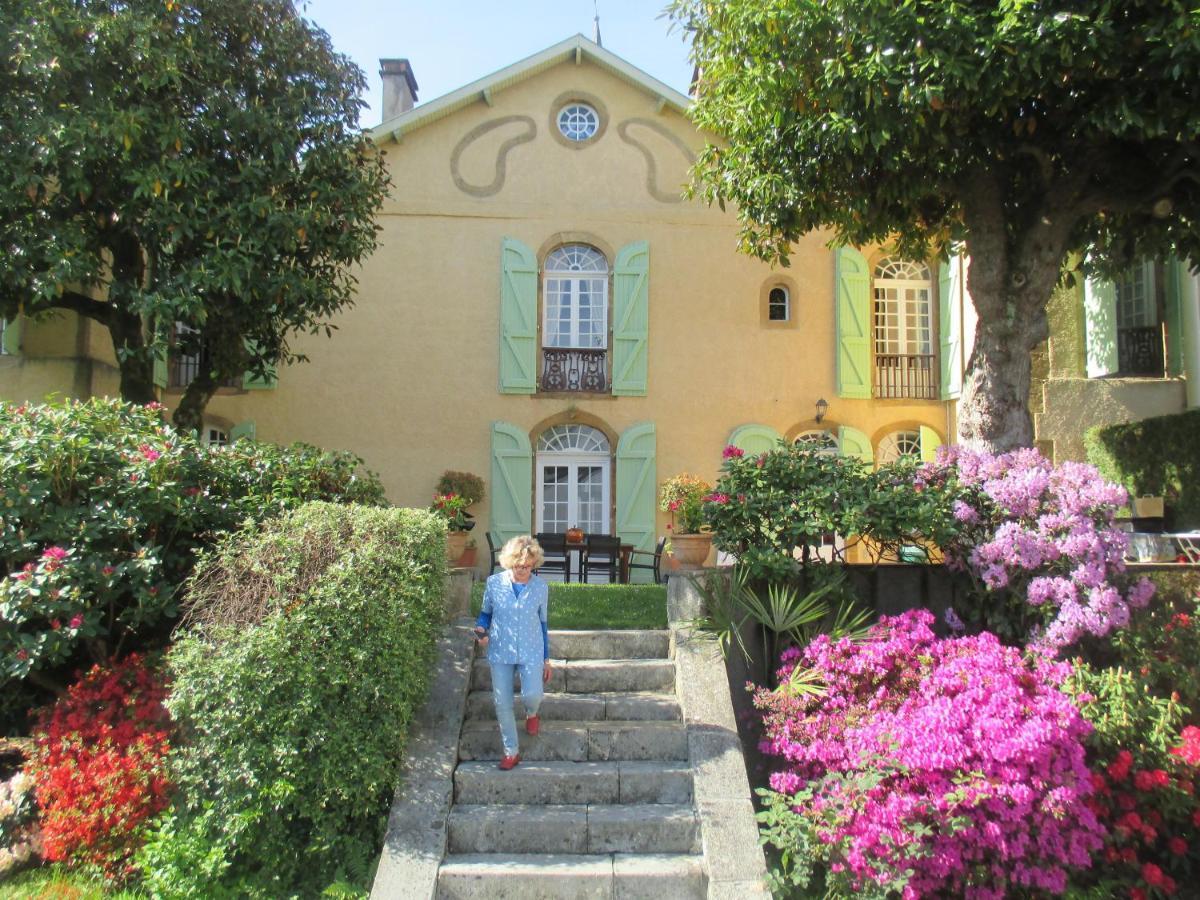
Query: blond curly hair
[[521, 550]]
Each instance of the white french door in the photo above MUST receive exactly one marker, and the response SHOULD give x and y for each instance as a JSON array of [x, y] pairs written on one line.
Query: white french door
[[572, 492]]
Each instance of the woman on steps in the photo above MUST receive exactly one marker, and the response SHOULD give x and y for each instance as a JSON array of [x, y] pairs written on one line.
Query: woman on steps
[[512, 626]]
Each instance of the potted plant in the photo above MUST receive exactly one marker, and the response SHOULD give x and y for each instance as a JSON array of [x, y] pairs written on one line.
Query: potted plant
[[453, 508], [691, 539], [467, 560], [467, 485]]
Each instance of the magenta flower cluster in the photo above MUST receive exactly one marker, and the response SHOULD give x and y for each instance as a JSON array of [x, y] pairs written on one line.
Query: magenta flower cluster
[[980, 780], [1046, 533]]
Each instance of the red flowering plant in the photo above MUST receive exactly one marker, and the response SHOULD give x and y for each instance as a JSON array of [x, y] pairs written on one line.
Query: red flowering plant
[[99, 767], [1145, 755], [684, 497], [452, 508]]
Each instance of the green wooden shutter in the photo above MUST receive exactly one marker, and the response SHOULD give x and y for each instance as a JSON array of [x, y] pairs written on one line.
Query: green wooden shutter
[[631, 319], [12, 336], [852, 442], [512, 482], [637, 486], [242, 430], [950, 311], [161, 351], [518, 318], [853, 313], [755, 439], [1173, 296], [929, 444], [1100, 327], [252, 382]]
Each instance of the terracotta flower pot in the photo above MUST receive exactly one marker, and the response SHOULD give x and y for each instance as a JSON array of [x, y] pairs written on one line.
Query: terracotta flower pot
[[691, 550], [456, 543], [467, 560]]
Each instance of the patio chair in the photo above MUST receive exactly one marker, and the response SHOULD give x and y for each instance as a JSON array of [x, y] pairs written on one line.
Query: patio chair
[[653, 561], [493, 553], [558, 558], [601, 553]]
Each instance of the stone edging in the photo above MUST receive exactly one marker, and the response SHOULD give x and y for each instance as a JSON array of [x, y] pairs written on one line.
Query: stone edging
[[416, 833], [729, 830]]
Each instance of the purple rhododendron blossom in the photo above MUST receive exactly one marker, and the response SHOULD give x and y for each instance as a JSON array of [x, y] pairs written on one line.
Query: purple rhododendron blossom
[[962, 730], [1045, 533]]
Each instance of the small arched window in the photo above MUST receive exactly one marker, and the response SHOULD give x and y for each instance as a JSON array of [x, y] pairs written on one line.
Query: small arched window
[[575, 295], [779, 304], [898, 445], [818, 441]]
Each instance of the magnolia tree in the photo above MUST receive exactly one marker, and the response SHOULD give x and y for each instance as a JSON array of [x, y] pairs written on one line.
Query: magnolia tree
[[196, 162], [1029, 131]]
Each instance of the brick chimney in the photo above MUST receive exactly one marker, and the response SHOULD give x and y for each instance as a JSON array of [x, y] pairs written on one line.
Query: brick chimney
[[399, 87]]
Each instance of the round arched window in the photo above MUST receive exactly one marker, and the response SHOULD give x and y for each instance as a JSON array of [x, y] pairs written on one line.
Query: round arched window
[[818, 441], [899, 444], [578, 122], [779, 305]]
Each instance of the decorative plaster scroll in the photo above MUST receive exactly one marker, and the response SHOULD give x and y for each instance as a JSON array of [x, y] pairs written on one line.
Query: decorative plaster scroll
[[652, 187], [487, 190]]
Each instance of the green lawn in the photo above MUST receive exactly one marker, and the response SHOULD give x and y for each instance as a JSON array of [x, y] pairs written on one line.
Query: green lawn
[[574, 607]]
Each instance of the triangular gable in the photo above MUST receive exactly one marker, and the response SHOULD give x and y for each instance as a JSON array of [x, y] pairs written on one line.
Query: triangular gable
[[576, 49]]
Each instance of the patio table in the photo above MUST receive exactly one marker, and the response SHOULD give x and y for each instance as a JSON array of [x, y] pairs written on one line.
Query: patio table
[[577, 548]]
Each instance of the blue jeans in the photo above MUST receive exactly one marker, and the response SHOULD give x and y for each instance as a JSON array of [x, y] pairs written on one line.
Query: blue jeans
[[502, 696]]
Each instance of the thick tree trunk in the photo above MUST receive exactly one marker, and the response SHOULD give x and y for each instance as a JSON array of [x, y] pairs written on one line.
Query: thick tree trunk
[[135, 361], [189, 415], [993, 411]]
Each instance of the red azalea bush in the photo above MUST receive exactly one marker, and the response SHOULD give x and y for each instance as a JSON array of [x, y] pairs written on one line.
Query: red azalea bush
[[931, 767], [99, 766]]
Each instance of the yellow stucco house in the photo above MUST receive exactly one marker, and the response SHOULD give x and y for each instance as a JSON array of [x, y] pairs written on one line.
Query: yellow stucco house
[[547, 312]]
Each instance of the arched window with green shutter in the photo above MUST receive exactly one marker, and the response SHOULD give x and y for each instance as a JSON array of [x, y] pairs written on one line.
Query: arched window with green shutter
[[755, 439], [853, 442], [518, 318], [631, 319], [10, 336], [852, 309], [637, 485], [512, 482], [929, 444]]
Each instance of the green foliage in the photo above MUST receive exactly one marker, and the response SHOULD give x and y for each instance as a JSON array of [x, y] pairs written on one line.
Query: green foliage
[[785, 615], [60, 882], [683, 497], [199, 161], [580, 607], [105, 509], [1156, 457], [294, 721], [464, 484], [765, 506]]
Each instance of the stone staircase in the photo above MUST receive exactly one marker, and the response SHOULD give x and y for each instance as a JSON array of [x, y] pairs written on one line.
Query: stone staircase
[[602, 802]]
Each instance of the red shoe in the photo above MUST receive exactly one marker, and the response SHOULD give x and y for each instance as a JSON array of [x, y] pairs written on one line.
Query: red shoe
[[532, 725], [509, 762]]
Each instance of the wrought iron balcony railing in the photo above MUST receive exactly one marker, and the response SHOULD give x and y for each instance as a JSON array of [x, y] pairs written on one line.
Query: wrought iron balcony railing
[[911, 376], [565, 369], [1140, 351]]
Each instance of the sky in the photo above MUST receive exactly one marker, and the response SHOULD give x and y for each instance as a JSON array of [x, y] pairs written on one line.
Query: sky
[[453, 42]]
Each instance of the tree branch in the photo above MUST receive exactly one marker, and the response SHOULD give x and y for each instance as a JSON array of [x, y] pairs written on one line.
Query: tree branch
[[100, 310]]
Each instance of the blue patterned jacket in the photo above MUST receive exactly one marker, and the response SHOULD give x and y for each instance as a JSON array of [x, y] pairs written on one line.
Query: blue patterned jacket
[[517, 631]]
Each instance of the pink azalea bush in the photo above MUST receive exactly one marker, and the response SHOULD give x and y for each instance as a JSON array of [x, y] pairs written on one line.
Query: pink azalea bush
[[947, 767], [1039, 540]]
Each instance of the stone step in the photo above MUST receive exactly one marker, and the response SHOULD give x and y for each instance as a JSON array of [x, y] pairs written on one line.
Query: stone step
[[579, 741], [629, 828], [606, 645], [631, 706], [547, 783], [593, 676], [619, 876]]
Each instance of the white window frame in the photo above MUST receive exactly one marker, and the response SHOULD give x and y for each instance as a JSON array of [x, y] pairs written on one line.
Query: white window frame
[[559, 283], [1136, 298], [578, 121], [822, 440], [786, 303], [573, 439], [3, 343], [891, 446], [214, 435], [912, 308]]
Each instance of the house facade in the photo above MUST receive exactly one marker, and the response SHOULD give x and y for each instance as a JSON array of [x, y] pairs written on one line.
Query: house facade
[[546, 310], [1119, 350]]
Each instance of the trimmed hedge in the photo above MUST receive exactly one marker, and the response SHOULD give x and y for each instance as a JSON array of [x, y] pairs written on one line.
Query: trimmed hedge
[[1158, 457], [308, 651]]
